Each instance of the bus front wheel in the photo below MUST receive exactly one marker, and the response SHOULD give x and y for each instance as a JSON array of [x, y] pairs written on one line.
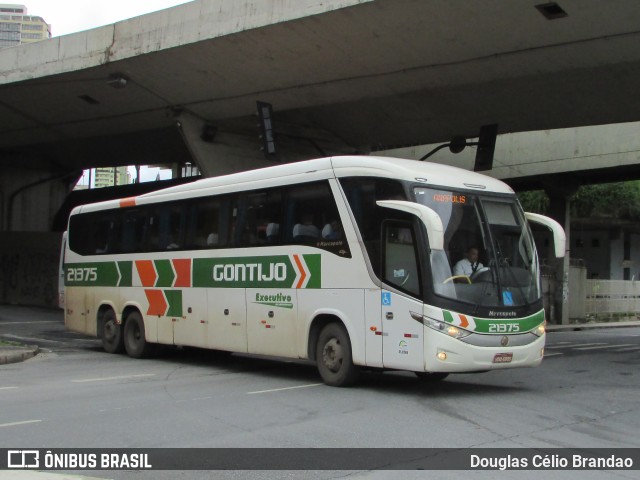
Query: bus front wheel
[[134, 340], [112, 338], [333, 356]]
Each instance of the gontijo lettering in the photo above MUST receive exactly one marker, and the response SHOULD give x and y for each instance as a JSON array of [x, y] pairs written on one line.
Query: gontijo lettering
[[277, 271], [241, 272]]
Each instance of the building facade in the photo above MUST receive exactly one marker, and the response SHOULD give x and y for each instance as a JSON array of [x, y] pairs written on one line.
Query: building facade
[[16, 27], [110, 177]]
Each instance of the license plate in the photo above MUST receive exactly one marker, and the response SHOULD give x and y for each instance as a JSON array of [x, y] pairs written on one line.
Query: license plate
[[502, 358]]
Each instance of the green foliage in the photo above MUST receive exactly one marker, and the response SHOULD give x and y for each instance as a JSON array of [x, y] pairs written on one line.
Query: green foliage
[[608, 200], [535, 201], [612, 200]]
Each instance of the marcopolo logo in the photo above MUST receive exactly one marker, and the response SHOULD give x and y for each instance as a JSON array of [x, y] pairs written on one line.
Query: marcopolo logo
[[281, 271]]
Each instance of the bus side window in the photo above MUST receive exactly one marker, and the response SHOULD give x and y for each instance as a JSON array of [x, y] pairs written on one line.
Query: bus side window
[[309, 209], [133, 230], [204, 229], [362, 194], [400, 260], [260, 217]]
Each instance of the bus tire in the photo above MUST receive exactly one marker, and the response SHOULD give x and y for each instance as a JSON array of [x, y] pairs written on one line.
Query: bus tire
[[134, 340], [431, 376], [111, 334], [333, 356]]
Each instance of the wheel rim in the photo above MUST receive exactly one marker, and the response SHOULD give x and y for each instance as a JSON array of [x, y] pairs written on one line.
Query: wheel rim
[[332, 355]]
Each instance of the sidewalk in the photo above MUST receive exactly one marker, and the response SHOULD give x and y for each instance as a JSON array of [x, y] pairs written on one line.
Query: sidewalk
[[15, 353]]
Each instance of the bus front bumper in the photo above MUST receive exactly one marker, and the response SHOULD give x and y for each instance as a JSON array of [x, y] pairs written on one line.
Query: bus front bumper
[[447, 354]]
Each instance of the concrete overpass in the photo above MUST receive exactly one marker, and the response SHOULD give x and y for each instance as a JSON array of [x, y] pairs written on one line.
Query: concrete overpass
[[343, 76]]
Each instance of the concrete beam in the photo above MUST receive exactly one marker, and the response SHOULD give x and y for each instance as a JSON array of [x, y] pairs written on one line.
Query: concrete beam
[[165, 29]]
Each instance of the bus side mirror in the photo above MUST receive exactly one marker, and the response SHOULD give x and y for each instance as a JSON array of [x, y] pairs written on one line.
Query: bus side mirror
[[428, 216], [559, 237]]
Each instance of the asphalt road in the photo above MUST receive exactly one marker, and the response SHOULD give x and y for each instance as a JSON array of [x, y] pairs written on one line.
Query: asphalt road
[[73, 394]]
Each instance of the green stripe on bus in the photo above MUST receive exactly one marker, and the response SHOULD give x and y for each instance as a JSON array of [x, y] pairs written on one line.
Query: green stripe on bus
[[166, 274], [126, 274], [91, 274], [278, 271], [174, 299], [313, 262], [486, 325]]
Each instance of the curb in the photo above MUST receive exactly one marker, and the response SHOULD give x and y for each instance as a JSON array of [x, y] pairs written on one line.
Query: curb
[[15, 354]]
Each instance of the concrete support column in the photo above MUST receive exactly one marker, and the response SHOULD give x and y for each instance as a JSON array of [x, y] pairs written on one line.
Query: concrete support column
[[560, 194], [220, 153], [29, 199]]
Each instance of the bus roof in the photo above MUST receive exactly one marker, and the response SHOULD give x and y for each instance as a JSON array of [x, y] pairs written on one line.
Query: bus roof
[[342, 166]]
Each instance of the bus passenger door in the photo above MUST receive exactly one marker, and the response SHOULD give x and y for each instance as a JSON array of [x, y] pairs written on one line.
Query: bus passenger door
[[271, 321], [402, 338]]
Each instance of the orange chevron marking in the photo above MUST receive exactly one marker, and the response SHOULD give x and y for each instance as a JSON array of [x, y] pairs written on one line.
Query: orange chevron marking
[[183, 272], [157, 303], [463, 321], [302, 272], [147, 272]]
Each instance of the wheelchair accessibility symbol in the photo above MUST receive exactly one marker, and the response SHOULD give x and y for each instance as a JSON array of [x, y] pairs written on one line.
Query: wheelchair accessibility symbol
[[386, 299]]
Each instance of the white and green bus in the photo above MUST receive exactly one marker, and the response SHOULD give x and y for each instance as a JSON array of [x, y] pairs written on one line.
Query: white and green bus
[[345, 261]]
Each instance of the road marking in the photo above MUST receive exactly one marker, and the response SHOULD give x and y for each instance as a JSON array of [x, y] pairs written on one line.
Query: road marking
[[106, 379], [7, 388], [568, 345], [13, 424], [605, 346], [628, 349], [285, 388], [553, 354]]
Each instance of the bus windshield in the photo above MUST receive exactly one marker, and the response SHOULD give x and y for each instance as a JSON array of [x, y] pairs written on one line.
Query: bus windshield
[[489, 258]]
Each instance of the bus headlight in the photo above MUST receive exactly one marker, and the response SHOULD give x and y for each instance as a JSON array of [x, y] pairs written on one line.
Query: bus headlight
[[539, 330], [440, 326]]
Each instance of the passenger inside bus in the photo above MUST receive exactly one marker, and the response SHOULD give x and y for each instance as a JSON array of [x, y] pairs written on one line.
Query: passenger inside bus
[[332, 231], [306, 231]]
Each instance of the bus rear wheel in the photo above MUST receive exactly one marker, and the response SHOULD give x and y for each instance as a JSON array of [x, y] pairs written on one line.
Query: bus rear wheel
[[112, 338], [134, 339], [333, 356]]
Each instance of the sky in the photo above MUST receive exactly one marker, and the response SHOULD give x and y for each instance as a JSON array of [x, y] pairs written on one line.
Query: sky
[[69, 16]]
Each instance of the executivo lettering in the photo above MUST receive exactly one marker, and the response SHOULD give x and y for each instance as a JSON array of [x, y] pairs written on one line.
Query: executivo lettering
[[274, 300]]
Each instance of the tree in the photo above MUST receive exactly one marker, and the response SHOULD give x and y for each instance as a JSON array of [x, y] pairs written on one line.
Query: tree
[[610, 200]]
